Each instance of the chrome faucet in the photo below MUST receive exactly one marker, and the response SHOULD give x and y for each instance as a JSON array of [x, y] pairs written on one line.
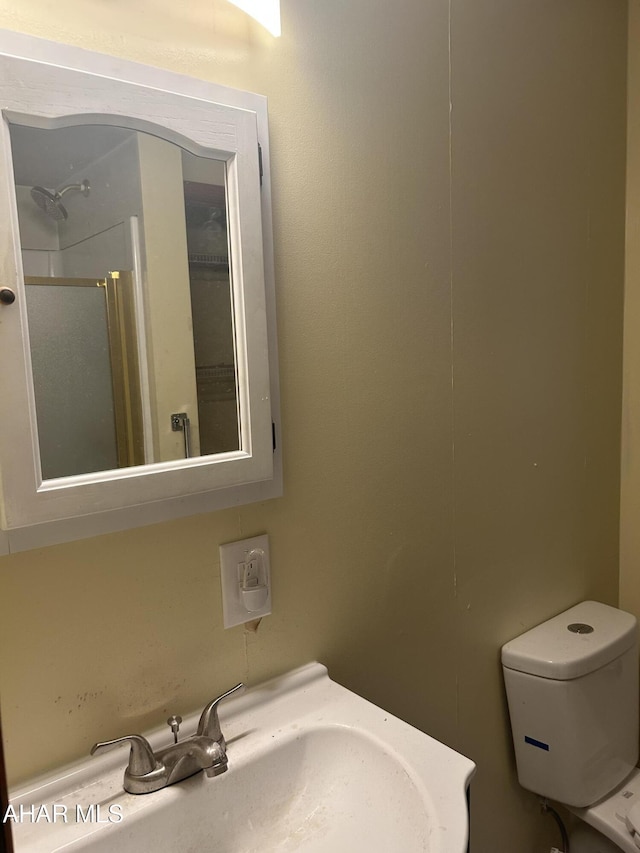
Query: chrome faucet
[[205, 750]]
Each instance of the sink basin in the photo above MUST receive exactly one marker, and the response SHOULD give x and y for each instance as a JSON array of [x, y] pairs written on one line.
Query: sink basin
[[312, 768]]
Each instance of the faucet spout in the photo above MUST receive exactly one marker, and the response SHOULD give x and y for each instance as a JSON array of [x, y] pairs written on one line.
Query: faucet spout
[[191, 755]]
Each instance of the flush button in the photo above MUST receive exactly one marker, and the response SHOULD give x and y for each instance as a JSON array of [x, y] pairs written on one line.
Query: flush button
[[580, 628]]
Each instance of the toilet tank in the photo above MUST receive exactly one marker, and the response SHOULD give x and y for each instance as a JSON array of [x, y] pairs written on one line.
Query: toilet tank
[[572, 689]]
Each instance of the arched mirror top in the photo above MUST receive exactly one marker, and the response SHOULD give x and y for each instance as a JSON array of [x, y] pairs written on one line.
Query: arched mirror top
[[192, 141]]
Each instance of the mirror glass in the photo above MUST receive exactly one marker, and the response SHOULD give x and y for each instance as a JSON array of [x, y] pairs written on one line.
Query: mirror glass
[[125, 253]]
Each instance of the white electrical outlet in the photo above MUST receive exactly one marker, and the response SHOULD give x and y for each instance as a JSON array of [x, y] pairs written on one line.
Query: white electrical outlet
[[245, 574]]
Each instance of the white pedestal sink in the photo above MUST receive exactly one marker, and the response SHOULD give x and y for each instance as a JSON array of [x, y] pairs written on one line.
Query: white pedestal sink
[[312, 768]]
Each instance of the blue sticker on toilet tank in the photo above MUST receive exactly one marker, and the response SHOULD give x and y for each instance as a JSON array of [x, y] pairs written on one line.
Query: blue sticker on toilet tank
[[537, 743]]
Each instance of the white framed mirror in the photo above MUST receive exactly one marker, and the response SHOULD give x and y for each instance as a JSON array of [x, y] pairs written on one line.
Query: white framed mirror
[[137, 243]]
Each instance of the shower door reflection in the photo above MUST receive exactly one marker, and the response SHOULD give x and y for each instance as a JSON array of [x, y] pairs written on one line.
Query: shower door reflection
[[85, 373]]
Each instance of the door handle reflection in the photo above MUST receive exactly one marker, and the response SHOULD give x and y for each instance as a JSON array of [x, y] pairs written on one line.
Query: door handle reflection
[[180, 422]]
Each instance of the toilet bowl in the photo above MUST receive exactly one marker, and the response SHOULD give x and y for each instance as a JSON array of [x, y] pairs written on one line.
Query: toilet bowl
[[572, 690], [606, 824]]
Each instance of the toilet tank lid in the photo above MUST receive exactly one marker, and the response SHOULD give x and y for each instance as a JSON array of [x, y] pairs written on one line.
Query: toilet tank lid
[[556, 650]]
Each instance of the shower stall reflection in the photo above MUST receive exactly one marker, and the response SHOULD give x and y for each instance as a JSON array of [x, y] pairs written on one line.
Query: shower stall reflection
[[116, 355]]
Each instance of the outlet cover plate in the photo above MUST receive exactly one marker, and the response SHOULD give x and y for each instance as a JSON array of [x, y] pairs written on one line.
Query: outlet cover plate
[[232, 556]]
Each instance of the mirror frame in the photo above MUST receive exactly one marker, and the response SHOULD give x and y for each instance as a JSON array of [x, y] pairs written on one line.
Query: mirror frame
[[45, 84]]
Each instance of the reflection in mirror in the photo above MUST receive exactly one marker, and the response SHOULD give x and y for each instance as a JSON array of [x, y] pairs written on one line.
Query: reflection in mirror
[[129, 303], [85, 373]]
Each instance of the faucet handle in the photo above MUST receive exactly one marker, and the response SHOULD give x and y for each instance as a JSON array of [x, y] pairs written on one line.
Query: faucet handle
[[209, 724], [141, 757]]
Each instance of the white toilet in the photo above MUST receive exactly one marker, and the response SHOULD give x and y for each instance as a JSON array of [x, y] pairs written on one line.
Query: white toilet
[[572, 688]]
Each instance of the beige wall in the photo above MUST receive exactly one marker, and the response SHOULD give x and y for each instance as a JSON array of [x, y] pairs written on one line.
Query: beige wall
[[424, 521], [171, 360], [630, 479]]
